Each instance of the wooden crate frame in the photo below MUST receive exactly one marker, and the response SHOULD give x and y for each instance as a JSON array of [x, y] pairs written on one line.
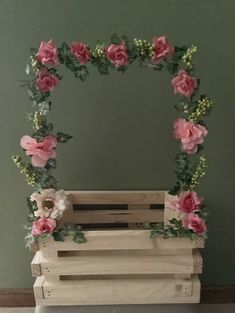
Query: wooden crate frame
[[119, 263]]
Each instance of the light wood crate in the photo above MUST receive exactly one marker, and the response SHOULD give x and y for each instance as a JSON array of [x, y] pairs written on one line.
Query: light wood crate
[[119, 264]]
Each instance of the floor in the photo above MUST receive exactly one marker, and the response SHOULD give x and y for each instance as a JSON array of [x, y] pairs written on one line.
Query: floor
[[197, 308]]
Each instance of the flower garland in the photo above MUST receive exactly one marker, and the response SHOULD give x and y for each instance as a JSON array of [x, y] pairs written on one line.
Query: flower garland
[[47, 204]]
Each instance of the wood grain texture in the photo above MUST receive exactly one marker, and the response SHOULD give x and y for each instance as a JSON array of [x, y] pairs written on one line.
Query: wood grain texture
[[119, 240], [117, 197], [24, 297], [120, 291]]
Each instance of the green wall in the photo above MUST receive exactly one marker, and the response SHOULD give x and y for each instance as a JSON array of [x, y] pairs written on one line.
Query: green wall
[[121, 123]]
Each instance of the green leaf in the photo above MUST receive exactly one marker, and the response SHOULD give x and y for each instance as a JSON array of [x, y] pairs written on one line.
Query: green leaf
[[115, 39], [62, 137], [58, 236], [172, 67], [81, 73]]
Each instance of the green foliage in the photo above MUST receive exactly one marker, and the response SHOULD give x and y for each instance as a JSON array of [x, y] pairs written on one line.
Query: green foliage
[[62, 137], [184, 172], [188, 172], [66, 58], [69, 230], [172, 230]]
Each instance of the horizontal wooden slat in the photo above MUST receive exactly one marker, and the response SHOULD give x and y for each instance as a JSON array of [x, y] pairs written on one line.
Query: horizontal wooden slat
[[118, 197], [119, 240], [107, 263], [120, 291], [117, 216]]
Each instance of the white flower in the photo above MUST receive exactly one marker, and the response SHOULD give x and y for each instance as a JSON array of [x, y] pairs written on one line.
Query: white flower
[[50, 203]]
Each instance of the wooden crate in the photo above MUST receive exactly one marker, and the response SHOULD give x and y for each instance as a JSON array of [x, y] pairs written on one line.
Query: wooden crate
[[119, 264]]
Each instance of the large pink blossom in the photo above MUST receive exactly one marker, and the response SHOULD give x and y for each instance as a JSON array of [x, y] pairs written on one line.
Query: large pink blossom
[[41, 151], [188, 202], [117, 54], [46, 82], [80, 51], [195, 223], [184, 84], [48, 53], [43, 225], [190, 134], [50, 203], [162, 49]]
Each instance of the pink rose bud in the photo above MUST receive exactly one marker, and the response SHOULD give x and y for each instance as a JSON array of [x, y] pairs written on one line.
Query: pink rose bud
[[190, 134], [195, 223], [43, 225], [41, 151], [80, 51], [162, 49], [46, 82], [48, 53], [117, 54], [184, 84]]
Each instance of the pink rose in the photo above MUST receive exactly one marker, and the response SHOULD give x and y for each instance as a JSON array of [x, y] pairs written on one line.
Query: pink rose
[[190, 134], [48, 53], [41, 151], [80, 51], [162, 49], [193, 222], [117, 54], [43, 225], [46, 82], [188, 201], [184, 84]]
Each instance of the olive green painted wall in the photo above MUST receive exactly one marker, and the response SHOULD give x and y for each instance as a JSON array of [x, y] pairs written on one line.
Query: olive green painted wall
[[121, 123]]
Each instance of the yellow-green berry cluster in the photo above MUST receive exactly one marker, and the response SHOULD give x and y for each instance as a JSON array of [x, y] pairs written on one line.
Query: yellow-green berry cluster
[[25, 169], [98, 52], [203, 108], [38, 121], [35, 64], [199, 172], [187, 58], [145, 48]]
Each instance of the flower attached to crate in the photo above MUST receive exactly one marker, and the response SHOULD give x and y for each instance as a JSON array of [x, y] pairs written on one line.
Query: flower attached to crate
[[195, 223], [162, 49], [43, 226], [184, 84], [190, 134], [117, 54], [186, 202], [189, 128], [45, 81], [47, 53], [80, 51], [40, 151], [50, 203]]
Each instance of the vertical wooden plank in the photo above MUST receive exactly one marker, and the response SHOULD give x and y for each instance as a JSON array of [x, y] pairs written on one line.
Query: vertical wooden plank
[[38, 288], [170, 213]]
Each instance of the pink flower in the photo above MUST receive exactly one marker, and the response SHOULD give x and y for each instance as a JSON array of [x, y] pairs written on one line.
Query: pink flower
[[184, 84], [195, 223], [47, 53], [162, 49], [117, 54], [43, 225], [80, 51], [190, 134], [188, 201], [46, 82], [41, 151]]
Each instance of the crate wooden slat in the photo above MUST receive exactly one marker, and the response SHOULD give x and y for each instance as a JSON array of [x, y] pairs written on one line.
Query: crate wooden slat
[[120, 291], [117, 266]]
